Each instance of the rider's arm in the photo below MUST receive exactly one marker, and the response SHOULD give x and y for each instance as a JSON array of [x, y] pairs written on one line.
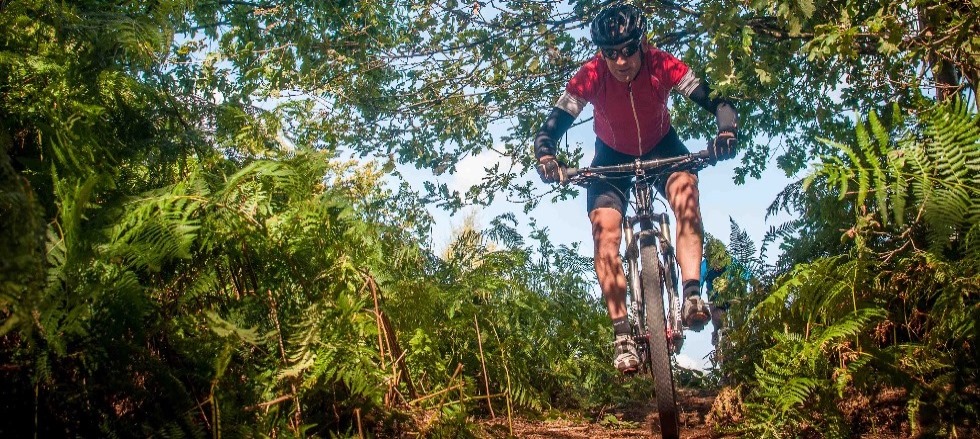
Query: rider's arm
[[699, 92], [558, 122]]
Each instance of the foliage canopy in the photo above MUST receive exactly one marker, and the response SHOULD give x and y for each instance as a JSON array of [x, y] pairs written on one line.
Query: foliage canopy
[[182, 252]]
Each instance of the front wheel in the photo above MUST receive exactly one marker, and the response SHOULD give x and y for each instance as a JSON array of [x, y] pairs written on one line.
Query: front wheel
[[659, 356]]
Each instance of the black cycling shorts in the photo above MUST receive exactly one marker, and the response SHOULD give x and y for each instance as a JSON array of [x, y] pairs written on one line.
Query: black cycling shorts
[[614, 192]]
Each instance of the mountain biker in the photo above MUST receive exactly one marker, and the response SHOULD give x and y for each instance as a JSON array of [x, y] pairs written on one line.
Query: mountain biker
[[718, 305], [628, 82], [724, 279]]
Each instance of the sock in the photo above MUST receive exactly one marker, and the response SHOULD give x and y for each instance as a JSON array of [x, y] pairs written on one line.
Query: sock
[[692, 288], [621, 326]]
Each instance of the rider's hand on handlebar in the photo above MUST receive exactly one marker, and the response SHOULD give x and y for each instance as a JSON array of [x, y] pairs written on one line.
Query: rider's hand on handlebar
[[551, 170], [723, 146]]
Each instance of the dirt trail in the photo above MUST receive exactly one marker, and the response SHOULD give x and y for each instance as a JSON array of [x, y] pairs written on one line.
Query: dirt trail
[[640, 421]]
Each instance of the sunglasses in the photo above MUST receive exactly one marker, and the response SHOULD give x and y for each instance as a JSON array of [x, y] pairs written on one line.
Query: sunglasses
[[626, 51]]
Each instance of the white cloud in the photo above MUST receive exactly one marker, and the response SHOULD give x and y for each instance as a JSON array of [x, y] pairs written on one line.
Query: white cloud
[[688, 363], [471, 170]]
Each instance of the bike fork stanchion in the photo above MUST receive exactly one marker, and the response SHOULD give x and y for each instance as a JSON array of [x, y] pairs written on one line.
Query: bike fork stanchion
[[675, 327]]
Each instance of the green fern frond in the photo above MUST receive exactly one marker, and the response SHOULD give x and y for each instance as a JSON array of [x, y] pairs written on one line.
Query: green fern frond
[[157, 228], [955, 134], [743, 250], [279, 174], [856, 166], [875, 152], [854, 369], [786, 198], [57, 257], [953, 151], [796, 392], [850, 325], [785, 232], [776, 302], [899, 187], [229, 329]]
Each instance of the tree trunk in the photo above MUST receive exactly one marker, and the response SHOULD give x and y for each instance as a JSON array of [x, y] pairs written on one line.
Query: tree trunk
[[954, 68]]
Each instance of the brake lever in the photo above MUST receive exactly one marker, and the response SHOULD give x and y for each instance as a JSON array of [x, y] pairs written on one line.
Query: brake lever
[[580, 177]]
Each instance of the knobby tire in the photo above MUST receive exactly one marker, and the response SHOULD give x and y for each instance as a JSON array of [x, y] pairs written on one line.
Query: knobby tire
[[670, 283], [659, 355]]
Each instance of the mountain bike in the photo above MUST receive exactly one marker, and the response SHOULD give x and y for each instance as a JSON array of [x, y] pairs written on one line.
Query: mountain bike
[[651, 272]]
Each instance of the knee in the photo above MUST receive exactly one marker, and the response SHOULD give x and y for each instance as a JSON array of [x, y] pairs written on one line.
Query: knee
[[682, 185], [683, 195]]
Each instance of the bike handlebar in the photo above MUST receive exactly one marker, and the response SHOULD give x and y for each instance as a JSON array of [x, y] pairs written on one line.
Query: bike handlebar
[[636, 166]]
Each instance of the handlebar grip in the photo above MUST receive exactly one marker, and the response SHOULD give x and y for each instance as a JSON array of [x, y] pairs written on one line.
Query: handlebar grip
[[571, 172]]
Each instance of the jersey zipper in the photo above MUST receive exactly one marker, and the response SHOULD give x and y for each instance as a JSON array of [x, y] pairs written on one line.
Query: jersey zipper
[[636, 118]]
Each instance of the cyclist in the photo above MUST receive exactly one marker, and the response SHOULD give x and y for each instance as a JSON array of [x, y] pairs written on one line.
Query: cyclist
[[715, 263], [725, 278], [628, 82]]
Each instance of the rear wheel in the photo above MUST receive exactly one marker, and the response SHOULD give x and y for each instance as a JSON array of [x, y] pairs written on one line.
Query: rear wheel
[[659, 356]]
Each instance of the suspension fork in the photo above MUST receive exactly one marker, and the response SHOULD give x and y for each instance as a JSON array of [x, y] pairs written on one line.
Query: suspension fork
[[641, 192]]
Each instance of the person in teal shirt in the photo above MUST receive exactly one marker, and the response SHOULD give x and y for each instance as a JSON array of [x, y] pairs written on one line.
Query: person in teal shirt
[[717, 305]]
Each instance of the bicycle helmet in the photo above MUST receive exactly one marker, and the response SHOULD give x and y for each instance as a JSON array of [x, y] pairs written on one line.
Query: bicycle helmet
[[618, 24]]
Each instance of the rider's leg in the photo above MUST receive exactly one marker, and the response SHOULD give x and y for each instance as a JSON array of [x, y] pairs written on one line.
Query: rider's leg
[[683, 196], [606, 203], [606, 234]]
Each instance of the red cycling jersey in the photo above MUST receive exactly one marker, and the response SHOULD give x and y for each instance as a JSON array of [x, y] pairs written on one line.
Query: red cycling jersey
[[629, 117]]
